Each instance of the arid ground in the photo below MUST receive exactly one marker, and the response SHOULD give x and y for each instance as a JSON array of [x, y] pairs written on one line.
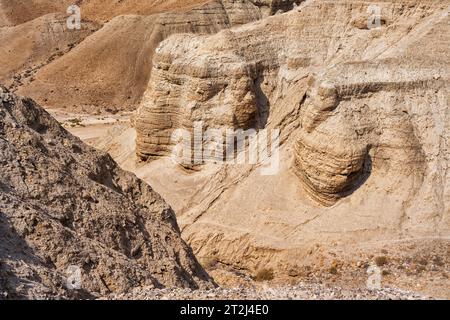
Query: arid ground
[[358, 192]]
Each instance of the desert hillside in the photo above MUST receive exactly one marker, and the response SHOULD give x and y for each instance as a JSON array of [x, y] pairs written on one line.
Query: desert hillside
[[64, 204], [345, 104], [364, 122], [20, 11], [110, 68]]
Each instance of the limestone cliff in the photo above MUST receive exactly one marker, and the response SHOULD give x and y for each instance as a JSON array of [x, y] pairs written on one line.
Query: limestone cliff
[[364, 119]]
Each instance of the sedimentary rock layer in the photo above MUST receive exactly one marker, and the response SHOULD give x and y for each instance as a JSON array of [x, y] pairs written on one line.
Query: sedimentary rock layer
[[237, 77], [364, 121]]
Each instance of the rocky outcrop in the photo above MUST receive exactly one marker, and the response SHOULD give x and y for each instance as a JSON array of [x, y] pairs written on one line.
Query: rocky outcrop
[[109, 70], [22, 11], [363, 114], [232, 89], [270, 7], [63, 204], [218, 90], [352, 124]]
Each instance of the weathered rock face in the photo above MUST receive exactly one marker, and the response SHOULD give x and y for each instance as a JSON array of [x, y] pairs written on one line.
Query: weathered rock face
[[111, 68], [64, 204], [364, 118], [215, 89], [270, 7], [232, 89], [358, 123]]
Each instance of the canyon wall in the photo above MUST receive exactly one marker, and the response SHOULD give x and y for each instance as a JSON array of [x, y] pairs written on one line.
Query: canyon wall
[[271, 7], [364, 120], [106, 65]]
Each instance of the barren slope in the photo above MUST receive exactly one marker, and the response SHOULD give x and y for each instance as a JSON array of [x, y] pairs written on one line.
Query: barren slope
[[363, 113], [21, 11], [64, 204], [29, 46], [111, 68]]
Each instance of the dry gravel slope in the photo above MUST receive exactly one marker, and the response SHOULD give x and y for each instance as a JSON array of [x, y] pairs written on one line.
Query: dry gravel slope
[[64, 204], [110, 69], [21, 11]]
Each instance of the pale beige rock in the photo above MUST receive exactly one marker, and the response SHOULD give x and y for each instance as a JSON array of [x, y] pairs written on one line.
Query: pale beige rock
[[364, 122], [21, 11], [364, 118]]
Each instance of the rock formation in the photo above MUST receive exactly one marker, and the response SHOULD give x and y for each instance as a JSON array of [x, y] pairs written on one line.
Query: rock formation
[[110, 69], [358, 90], [271, 7], [213, 88], [364, 118], [64, 204]]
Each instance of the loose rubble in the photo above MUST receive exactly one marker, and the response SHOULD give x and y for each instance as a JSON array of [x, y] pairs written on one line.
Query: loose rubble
[[265, 292]]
